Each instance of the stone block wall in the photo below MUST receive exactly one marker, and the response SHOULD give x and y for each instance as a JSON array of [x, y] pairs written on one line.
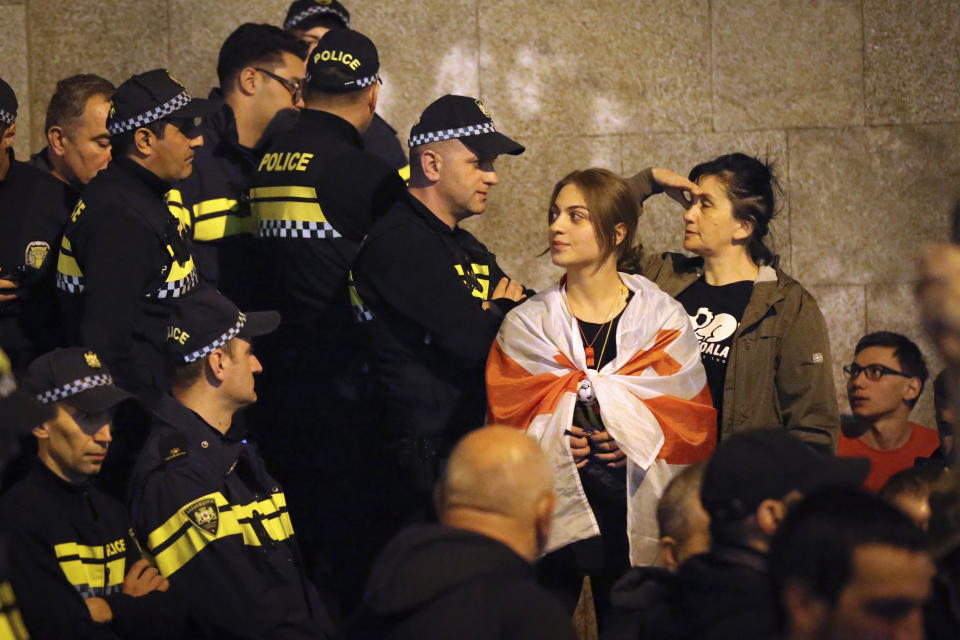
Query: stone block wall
[[857, 102]]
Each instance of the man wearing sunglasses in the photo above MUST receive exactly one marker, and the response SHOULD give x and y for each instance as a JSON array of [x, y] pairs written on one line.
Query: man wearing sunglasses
[[884, 382], [261, 71], [125, 254]]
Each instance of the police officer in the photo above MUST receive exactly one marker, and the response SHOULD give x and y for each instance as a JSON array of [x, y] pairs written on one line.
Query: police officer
[[202, 500], [35, 207], [77, 571], [435, 294], [314, 196], [125, 253], [261, 71], [309, 20]]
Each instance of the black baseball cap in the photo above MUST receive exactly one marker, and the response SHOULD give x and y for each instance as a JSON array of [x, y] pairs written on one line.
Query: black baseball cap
[[753, 466], [206, 320], [74, 376], [466, 119], [19, 411], [151, 96], [8, 103], [305, 14], [344, 60]]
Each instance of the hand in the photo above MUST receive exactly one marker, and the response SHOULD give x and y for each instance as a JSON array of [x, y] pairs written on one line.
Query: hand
[[506, 288], [677, 187], [142, 579], [7, 284], [609, 450], [579, 446], [99, 609]]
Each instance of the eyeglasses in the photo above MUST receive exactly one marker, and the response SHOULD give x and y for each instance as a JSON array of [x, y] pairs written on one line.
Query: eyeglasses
[[295, 87], [873, 371]]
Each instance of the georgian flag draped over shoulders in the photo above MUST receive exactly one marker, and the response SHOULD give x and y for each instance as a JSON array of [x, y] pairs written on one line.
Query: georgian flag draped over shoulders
[[653, 400]]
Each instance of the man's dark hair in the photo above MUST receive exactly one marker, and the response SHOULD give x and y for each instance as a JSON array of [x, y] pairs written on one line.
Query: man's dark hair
[[915, 481], [255, 45], [70, 99], [816, 541], [672, 511], [188, 374], [904, 350], [121, 143]]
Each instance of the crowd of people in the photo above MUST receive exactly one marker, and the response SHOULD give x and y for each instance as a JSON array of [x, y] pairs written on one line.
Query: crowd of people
[[249, 353]]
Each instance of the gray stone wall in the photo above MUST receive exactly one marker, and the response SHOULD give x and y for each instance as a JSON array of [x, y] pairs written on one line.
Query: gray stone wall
[[856, 101]]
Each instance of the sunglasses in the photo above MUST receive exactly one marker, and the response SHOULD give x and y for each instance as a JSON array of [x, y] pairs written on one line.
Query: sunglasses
[[295, 87]]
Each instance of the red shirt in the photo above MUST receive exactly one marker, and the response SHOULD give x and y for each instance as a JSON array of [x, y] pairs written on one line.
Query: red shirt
[[884, 464]]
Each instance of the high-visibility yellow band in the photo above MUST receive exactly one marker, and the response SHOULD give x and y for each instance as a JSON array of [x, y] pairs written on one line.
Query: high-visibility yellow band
[[306, 193], [223, 226], [288, 210], [482, 272], [84, 566], [11, 624], [404, 173]]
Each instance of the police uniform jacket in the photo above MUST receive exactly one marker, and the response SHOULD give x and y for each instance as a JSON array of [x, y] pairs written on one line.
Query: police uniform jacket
[[68, 542], [421, 286], [34, 207], [314, 196], [124, 257], [205, 507], [217, 193], [380, 139]]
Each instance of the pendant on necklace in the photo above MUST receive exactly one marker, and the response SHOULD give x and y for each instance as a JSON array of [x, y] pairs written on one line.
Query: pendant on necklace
[[589, 353]]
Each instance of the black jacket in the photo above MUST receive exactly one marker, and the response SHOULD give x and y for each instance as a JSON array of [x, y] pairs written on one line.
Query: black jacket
[[422, 286], [720, 595], [124, 257], [437, 582], [34, 207], [70, 542], [204, 505], [380, 139]]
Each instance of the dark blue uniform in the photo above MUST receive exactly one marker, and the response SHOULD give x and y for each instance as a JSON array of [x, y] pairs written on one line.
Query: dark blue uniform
[[217, 524]]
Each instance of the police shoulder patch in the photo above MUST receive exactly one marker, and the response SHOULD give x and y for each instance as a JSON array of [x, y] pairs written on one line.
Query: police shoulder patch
[[204, 515]]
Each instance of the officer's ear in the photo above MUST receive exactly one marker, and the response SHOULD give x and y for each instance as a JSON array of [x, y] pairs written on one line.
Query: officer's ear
[[215, 366], [55, 136], [373, 96], [6, 140], [430, 163], [247, 81], [143, 140]]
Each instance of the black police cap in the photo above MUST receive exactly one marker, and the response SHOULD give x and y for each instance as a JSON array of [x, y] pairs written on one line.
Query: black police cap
[[304, 14], [8, 103], [753, 466], [151, 96], [206, 320], [466, 119], [344, 60], [74, 376]]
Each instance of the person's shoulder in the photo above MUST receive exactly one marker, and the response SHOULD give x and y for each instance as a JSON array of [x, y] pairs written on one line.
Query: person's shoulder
[[399, 221], [527, 610], [923, 436]]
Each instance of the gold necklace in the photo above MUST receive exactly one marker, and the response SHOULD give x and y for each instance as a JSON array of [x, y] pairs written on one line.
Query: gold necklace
[[588, 348]]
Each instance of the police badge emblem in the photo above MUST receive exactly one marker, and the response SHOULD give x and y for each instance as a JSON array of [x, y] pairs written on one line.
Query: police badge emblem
[[204, 515], [36, 253], [92, 360], [483, 109]]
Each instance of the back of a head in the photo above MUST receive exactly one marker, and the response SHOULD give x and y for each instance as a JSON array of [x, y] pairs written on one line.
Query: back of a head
[[906, 352], [497, 470], [816, 541], [673, 508], [255, 44], [752, 187], [70, 98]]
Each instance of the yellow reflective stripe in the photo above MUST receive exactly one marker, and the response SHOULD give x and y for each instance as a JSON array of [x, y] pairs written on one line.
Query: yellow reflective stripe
[[404, 173], [283, 192], [291, 211], [77, 210], [179, 271], [71, 556], [214, 205], [216, 218], [483, 273], [192, 540], [175, 205], [11, 624], [66, 263]]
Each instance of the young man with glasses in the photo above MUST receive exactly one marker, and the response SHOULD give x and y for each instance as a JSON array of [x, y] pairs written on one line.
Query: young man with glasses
[[261, 73], [883, 383], [125, 255]]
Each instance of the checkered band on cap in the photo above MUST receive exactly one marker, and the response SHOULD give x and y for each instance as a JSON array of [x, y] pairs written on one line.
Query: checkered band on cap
[[303, 15], [177, 288], [447, 134], [226, 337], [175, 103], [363, 82], [7, 118], [75, 387]]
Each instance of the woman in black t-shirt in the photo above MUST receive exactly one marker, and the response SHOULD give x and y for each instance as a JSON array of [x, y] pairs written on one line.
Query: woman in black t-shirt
[[763, 340]]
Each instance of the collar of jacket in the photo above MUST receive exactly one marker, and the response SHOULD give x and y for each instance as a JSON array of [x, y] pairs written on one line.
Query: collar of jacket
[[127, 168], [43, 476], [428, 216], [740, 555], [328, 124], [202, 439]]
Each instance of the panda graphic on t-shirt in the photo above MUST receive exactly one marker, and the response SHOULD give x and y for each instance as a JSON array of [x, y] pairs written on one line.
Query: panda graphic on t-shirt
[[715, 333]]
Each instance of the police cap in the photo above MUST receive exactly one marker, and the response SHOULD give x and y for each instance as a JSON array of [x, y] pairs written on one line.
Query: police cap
[[206, 320], [8, 103], [304, 14], [151, 96], [344, 60], [76, 377], [466, 119]]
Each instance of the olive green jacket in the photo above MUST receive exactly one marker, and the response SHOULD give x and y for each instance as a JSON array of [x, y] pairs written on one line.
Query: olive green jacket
[[779, 371]]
